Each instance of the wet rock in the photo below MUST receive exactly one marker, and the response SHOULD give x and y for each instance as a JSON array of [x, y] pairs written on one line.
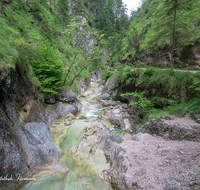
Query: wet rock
[[67, 123], [65, 96], [82, 117], [59, 110], [59, 150], [70, 115], [98, 90], [105, 96], [77, 104], [20, 103]]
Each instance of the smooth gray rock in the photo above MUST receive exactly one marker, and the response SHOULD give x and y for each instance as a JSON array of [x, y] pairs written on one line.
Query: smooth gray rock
[[105, 96], [124, 106], [38, 144], [67, 123], [59, 110], [111, 83], [65, 96], [83, 117]]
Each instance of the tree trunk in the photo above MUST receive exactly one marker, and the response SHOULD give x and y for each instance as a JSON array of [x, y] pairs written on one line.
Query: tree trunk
[[70, 68], [79, 73], [49, 5], [173, 36], [0, 9]]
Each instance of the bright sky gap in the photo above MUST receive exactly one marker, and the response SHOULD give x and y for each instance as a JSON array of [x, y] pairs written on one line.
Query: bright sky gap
[[130, 4]]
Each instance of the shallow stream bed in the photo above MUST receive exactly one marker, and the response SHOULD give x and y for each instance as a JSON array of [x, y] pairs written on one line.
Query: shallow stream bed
[[81, 175]]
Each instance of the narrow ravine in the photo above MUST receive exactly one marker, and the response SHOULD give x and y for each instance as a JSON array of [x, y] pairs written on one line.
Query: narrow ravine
[[80, 175]]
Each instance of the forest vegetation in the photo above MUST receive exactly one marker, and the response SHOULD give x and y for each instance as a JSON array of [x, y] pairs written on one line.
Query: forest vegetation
[[49, 37]]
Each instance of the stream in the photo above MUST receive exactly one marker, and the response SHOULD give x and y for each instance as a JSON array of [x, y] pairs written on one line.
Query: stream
[[81, 176]]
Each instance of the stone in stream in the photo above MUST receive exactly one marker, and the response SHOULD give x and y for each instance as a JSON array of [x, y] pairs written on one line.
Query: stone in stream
[[124, 106], [82, 96], [70, 115], [67, 123], [105, 96], [83, 117]]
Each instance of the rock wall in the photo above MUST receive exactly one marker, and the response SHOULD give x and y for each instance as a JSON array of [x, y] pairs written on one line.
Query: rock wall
[[188, 56], [24, 149]]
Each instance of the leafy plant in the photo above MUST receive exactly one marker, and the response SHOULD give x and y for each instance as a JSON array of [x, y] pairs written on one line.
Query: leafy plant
[[142, 101], [120, 131]]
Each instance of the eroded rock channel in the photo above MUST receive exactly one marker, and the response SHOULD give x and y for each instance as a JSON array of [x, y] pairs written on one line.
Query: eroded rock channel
[[99, 157], [101, 147]]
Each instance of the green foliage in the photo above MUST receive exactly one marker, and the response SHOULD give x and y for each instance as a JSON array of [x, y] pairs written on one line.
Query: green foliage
[[48, 69], [7, 35], [142, 101], [152, 27], [166, 94], [120, 131]]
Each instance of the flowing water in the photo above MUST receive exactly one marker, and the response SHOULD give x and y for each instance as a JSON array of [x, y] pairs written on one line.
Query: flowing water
[[81, 176]]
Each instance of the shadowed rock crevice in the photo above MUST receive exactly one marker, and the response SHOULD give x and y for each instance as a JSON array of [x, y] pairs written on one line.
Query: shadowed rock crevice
[[25, 149]]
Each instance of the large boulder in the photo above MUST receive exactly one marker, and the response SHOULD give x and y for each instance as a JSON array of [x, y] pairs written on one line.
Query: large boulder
[[111, 83], [39, 146], [65, 96], [59, 110], [105, 96], [140, 161]]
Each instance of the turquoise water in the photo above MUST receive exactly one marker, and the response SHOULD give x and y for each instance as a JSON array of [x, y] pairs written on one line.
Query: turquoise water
[[81, 176]]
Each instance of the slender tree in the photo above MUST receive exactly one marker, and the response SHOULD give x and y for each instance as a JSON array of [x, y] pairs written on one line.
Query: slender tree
[[172, 24]]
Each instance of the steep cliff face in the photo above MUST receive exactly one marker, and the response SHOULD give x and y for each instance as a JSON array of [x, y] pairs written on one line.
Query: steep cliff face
[[24, 149]]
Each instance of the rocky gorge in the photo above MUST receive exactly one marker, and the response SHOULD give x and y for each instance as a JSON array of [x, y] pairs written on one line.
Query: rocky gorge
[[102, 146]]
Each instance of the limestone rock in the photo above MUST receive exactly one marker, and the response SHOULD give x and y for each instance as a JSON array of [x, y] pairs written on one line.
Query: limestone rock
[[65, 96], [142, 162], [59, 110], [82, 117], [176, 129], [67, 123], [111, 83], [105, 96]]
